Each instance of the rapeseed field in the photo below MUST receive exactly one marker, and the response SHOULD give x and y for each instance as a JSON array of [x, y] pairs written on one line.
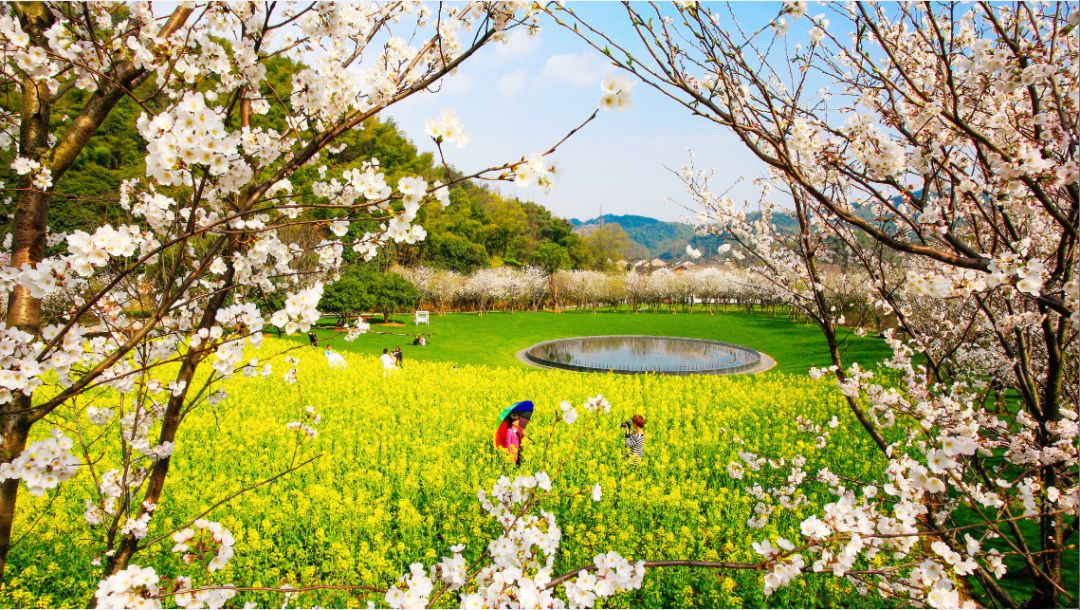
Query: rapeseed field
[[398, 462]]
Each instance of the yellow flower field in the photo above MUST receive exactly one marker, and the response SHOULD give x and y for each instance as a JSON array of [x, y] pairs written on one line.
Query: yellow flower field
[[400, 461]]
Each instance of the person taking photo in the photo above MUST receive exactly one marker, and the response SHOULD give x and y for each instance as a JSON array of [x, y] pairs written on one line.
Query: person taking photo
[[634, 438]]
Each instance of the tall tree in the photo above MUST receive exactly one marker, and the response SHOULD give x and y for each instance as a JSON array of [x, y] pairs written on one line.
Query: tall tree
[[216, 220], [551, 257], [938, 144], [608, 243]]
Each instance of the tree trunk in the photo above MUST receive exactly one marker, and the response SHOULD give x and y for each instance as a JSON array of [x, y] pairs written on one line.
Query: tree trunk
[[14, 441], [28, 248], [169, 426], [834, 354], [1051, 527], [32, 207], [156, 484]]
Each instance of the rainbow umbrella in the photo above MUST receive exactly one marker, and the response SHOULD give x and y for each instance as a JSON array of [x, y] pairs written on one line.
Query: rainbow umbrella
[[523, 410]]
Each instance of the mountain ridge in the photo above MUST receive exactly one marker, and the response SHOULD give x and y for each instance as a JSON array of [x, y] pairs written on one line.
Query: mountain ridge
[[665, 239]]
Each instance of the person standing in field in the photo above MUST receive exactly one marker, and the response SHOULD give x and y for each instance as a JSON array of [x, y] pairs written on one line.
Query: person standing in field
[[389, 363], [635, 440], [336, 360], [514, 436], [400, 357]]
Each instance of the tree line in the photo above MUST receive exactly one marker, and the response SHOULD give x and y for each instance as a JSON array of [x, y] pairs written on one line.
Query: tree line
[[708, 288]]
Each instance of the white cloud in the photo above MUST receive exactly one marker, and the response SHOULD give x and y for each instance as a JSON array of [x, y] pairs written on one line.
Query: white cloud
[[512, 83], [574, 69], [519, 45]]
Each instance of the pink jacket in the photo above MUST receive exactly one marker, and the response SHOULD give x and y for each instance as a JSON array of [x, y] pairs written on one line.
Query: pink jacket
[[512, 438]]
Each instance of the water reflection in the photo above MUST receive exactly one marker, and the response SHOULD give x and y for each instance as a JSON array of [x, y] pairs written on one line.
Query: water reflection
[[642, 354]]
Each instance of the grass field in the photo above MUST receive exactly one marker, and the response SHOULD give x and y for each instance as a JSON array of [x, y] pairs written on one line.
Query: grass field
[[398, 463], [494, 338]]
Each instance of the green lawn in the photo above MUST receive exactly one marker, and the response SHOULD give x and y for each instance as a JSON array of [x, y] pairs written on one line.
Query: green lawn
[[495, 338]]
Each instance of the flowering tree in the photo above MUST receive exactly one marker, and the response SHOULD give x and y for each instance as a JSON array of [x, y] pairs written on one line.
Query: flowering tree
[[530, 287], [636, 285], [935, 146], [791, 264], [440, 287], [484, 287], [235, 204], [659, 287]]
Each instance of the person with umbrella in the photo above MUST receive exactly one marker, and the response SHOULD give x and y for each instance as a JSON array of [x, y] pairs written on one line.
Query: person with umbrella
[[514, 435], [511, 430]]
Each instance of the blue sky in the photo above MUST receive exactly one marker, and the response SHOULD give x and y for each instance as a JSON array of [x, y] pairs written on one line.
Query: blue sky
[[519, 98]]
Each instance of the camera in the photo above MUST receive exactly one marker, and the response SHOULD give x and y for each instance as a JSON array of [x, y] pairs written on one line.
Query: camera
[[626, 426]]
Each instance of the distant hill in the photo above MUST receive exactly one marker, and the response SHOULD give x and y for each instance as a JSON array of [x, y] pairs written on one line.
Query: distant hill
[[667, 240], [660, 239]]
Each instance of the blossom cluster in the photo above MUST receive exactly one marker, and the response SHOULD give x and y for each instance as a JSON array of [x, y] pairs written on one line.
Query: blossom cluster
[[533, 172], [614, 574], [307, 427], [301, 310], [43, 465], [518, 568], [141, 587], [132, 587], [355, 329], [446, 128], [208, 541], [211, 598], [616, 91], [40, 176], [191, 134], [569, 411], [890, 518]]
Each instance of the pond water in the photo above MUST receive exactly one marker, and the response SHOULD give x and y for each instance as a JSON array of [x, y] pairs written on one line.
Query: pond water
[[642, 354]]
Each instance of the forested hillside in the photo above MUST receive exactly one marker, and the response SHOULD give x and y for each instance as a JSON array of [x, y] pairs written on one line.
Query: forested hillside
[[479, 229]]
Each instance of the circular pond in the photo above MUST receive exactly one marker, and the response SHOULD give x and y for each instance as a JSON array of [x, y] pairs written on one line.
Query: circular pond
[[643, 354]]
